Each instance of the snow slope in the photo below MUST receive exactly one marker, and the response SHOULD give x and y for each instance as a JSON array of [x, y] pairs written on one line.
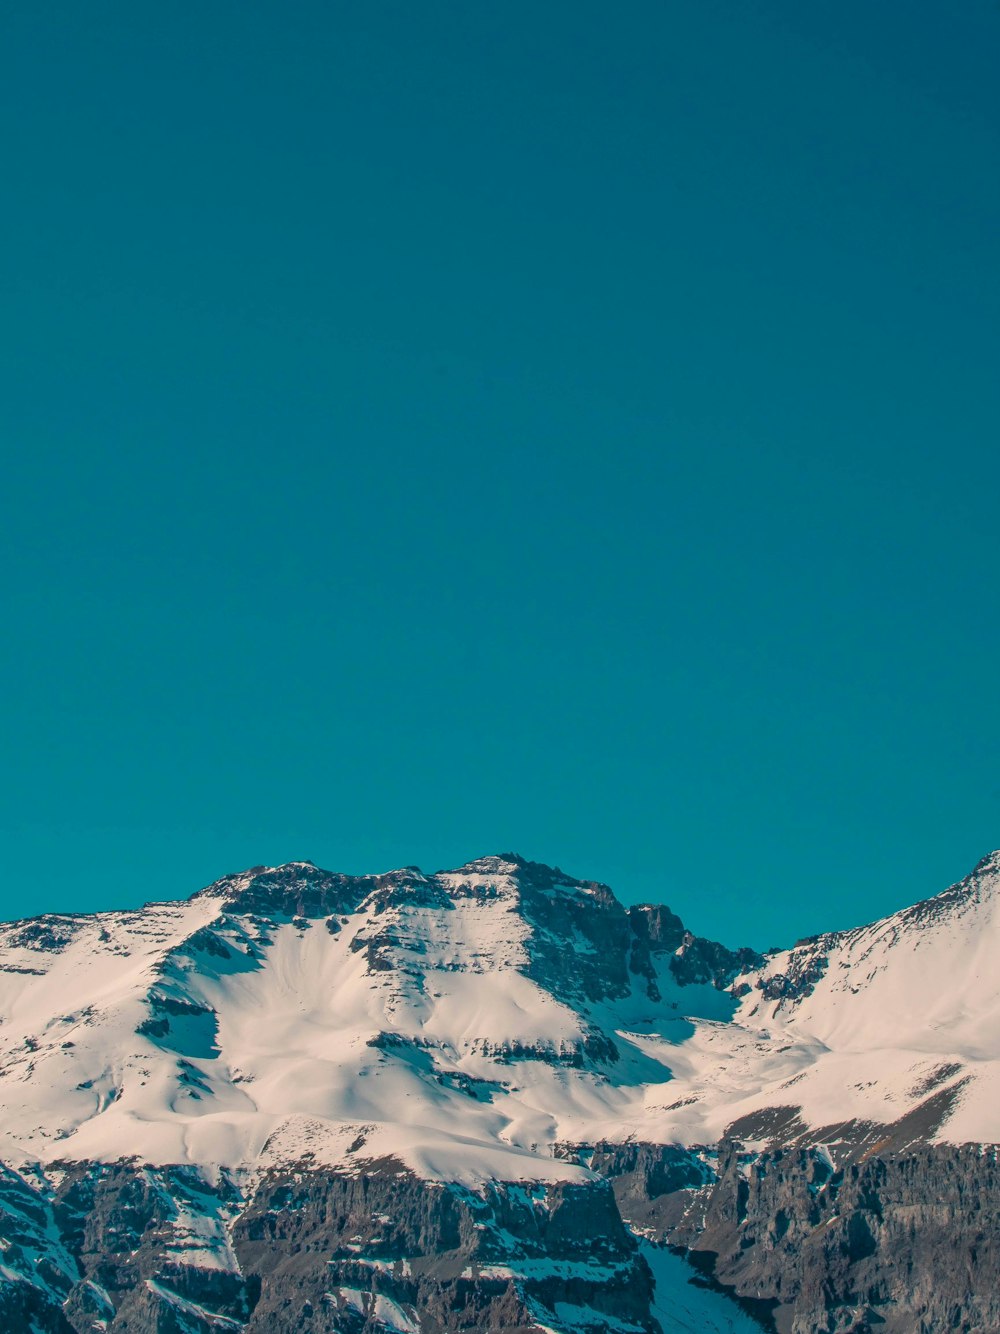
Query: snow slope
[[884, 1016], [685, 1304], [468, 1022]]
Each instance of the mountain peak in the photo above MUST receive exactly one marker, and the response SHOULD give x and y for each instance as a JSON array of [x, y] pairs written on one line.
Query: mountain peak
[[498, 863], [988, 865], [284, 1007]]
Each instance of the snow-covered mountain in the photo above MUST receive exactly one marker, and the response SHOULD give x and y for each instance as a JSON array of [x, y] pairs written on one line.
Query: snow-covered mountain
[[897, 1018], [482, 1100], [469, 1023]]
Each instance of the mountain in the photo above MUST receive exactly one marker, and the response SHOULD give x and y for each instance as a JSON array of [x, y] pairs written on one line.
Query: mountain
[[478, 1099], [900, 1018], [464, 1021]]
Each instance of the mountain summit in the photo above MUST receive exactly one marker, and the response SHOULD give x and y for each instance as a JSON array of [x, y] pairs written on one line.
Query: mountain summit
[[307, 1101], [469, 1021]]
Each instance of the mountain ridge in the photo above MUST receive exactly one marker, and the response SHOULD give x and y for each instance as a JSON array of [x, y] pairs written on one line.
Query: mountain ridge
[[504, 996], [482, 1099]]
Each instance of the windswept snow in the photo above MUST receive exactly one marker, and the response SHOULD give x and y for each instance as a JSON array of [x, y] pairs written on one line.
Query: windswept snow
[[454, 1022]]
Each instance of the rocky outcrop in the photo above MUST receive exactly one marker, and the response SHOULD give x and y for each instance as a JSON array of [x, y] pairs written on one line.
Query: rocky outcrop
[[804, 970], [151, 1248], [37, 1272], [297, 889], [875, 1243], [863, 1239], [692, 959], [907, 1244], [166, 1251], [334, 1251]]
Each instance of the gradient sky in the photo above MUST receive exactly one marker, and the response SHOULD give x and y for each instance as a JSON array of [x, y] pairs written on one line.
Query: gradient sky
[[432, 429]]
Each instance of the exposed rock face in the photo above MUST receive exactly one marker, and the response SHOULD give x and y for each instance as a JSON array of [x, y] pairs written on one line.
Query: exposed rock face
[[334, 1250], [658, 931], [655, 1185], [125, 1248], [804, 971], [36, 1271], [298, 889], [907, 1243]]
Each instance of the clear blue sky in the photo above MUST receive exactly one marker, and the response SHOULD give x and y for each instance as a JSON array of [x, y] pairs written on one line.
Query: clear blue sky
[[432, 429]]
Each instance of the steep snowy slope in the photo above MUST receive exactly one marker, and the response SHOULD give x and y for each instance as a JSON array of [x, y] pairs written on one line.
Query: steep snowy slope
[[887, 1032], [471, 1021], [462, 1022], [893, 1015], [458, 1101]]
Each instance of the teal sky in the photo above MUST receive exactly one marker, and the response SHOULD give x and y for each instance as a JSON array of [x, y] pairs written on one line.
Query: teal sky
[[432, 429]]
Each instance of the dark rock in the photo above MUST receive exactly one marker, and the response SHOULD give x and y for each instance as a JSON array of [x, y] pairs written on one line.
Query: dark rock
[[461, 1260], [897, 1242]]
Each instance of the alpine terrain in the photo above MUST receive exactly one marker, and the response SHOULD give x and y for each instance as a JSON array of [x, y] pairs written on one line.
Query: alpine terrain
[[495, 1098]]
